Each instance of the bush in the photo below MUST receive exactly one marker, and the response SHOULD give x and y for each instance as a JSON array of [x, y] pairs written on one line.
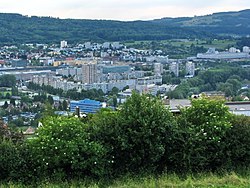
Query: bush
[[200, 138], [63, 146], [10, 160], [238, 139], [144, 131], [104, 129]]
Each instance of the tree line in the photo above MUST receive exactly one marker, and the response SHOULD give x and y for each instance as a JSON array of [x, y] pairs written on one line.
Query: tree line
[[46, 30], [142, 136], [225, 77]]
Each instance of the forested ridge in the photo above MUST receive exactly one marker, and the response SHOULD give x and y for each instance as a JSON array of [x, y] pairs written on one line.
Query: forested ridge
[[222, 23], [16, 28]]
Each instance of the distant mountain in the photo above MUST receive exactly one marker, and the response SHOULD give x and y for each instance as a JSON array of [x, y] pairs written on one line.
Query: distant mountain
[[16, 28], [223, 23]]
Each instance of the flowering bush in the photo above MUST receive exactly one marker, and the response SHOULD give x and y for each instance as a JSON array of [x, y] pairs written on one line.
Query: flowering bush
[[201, 135], [63, 145]]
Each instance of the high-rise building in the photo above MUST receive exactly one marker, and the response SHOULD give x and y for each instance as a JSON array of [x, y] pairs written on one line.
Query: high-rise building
[[190, 68], [174, 68], [64, 44], [87, 45], [232, 50], [246, 49], [158, 68], [89, 73]]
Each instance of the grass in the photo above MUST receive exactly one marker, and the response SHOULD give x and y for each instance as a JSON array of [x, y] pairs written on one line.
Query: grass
[[231, 180], [218, 44]]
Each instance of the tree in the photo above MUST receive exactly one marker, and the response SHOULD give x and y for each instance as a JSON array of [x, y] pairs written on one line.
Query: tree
[[50, 100], [126, 87], [7, 96], [145, 127], [9, 134], [114, 91], [7, 80], [14, 91], [65, 105], [5, 105], [114, 100], [12, 101]]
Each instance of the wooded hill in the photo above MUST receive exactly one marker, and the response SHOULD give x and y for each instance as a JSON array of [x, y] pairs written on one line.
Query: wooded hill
[[16, 28], [223, 23]]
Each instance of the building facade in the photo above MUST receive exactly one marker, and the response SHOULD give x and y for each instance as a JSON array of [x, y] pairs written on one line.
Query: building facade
[[174, 68], [85, 106], [89, 73]]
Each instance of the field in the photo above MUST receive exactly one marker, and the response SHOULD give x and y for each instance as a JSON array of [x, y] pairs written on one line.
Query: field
[[218, 44], [231, 180]]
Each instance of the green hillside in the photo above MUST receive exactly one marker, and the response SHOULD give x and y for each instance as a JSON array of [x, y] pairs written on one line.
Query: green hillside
[[16, 28], [224, 23]]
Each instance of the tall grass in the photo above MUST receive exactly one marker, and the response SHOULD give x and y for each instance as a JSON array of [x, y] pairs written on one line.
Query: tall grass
[[228, 180]]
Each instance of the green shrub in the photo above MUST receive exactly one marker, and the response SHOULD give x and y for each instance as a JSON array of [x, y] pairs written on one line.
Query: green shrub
[[200, 138], [63, 147], [238, 142], [104, 129], [142, 132], [10, 160]]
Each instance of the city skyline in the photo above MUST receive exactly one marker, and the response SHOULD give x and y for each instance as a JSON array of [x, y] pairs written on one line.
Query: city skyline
[[122, 10]]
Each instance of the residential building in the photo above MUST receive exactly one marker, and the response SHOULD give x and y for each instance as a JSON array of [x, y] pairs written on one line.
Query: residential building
[[63, 44], [190, 69], [246, 49], [232, 54], [89, 73], [174, 68], [158, 68]]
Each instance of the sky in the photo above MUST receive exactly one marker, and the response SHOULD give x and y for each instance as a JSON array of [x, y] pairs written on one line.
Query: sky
[[125, 10]]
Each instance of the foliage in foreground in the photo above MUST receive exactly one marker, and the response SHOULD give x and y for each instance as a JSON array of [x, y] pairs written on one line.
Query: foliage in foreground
[[201, 133], [141, 137], [137, 135], [63, 145]]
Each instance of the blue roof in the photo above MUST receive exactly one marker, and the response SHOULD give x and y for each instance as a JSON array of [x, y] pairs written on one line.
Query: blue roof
[[88, 102]]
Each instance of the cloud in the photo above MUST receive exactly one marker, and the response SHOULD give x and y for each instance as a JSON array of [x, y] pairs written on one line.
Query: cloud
[[120, 9]]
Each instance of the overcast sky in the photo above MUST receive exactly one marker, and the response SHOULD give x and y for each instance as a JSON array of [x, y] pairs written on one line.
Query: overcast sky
[[120, 9]]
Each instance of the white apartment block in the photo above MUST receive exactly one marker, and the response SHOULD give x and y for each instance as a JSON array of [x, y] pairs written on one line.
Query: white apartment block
[[149, 80], [190, 68], [158, 68], [63, 44], [174, 68], [246, 49]]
